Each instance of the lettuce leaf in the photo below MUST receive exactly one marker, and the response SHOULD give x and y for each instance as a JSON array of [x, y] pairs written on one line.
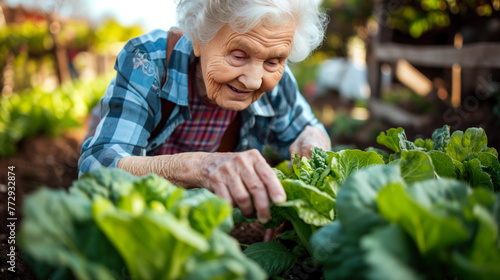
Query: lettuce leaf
[[441, 138], [61, 241], [312, 205], [431, 230], [416, 166], [145, 232], [273, 257], [339, 253], [347, 162], [112, 224], [391, 139], [443, 164], [356, 203], [462, 145], [223, 260], [390, 254]]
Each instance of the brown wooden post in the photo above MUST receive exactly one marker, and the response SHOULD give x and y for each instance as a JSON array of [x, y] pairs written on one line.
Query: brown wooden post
[[59, 51], [374, 64]]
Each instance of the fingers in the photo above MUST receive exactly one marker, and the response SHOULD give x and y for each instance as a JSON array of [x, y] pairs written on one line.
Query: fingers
[[261, 183], [309, 138], [259, 194], [228, 184], [306, 150], [247, 181], [241, 197], [264, 185], [273, 185], [222, 191]]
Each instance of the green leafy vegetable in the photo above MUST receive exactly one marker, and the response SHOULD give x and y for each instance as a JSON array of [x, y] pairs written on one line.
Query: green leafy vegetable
[[466, 153], [61, 241], [272, 256], [429, 229], [112, 221]]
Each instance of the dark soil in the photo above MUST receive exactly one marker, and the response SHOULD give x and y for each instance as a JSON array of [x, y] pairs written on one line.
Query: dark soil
[[41, 161]]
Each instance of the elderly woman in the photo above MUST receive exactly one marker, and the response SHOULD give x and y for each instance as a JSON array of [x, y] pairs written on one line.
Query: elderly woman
[[230, 68]]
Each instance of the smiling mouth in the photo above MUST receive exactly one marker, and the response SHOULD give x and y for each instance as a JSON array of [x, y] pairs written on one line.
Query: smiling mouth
[[238, 91]]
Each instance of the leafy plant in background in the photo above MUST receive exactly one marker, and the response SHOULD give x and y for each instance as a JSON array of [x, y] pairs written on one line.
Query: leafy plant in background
[[419, 17], [409, 100], [112, 224], [461, 155], [344, 125], [37, 111], [446, 214], [111, 32]]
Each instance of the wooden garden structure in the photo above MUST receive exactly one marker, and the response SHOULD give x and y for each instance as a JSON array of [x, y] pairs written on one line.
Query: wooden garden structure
[[455, 56]]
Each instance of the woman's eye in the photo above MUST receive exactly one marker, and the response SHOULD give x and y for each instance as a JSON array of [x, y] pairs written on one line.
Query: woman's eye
[[239, 55], [273, 62]]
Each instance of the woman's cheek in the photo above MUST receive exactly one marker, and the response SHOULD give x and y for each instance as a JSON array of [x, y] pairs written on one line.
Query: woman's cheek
[[271, 81], [220, 73]]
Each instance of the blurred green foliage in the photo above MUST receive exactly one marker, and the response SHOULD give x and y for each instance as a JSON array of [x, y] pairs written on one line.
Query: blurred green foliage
[[412, 17], [346, 17], [32, 109], [306, 71], [420, 16], [38, 111], [407, 98], [34, 35], [73, 34], [111, 32], [32, 45]]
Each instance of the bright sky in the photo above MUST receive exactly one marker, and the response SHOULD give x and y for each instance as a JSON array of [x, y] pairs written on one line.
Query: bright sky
[[151, 14]]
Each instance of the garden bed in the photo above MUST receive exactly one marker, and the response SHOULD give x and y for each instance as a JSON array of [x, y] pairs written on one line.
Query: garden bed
[[52, 162]]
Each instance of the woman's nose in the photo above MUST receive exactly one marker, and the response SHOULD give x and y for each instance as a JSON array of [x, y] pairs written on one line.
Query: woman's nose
[[251, 77]]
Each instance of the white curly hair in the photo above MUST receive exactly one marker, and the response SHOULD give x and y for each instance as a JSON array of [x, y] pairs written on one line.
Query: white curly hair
[[202, 19]]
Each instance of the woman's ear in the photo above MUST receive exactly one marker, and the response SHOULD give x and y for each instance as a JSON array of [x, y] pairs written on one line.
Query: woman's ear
[[196, 49]]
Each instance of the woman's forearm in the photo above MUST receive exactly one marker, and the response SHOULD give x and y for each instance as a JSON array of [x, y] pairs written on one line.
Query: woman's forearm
[[179, 169]]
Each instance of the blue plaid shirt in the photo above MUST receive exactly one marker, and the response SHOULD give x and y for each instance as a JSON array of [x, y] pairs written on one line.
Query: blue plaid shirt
[[131, 106]]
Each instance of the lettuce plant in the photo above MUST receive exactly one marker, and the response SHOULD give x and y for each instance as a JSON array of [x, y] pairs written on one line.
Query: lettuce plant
[[311, 186], [388, 228], [462, 155], [112, 225], [445, 215]]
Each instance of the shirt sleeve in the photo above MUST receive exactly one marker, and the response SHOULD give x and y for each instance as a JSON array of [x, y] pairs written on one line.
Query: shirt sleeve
[[128, 111], [292, 115]]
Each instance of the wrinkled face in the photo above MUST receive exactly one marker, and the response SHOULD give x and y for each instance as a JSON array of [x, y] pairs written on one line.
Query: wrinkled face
[[239, 68]]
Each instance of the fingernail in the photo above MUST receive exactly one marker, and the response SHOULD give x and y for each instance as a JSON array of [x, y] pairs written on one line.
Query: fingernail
[[262, 220], [279, 199]]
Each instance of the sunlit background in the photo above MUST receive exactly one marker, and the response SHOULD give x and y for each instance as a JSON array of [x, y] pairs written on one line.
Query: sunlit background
[[149, 14]]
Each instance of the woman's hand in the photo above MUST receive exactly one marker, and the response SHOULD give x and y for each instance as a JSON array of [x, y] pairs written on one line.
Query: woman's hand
[[244, 179], [309, 138]]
